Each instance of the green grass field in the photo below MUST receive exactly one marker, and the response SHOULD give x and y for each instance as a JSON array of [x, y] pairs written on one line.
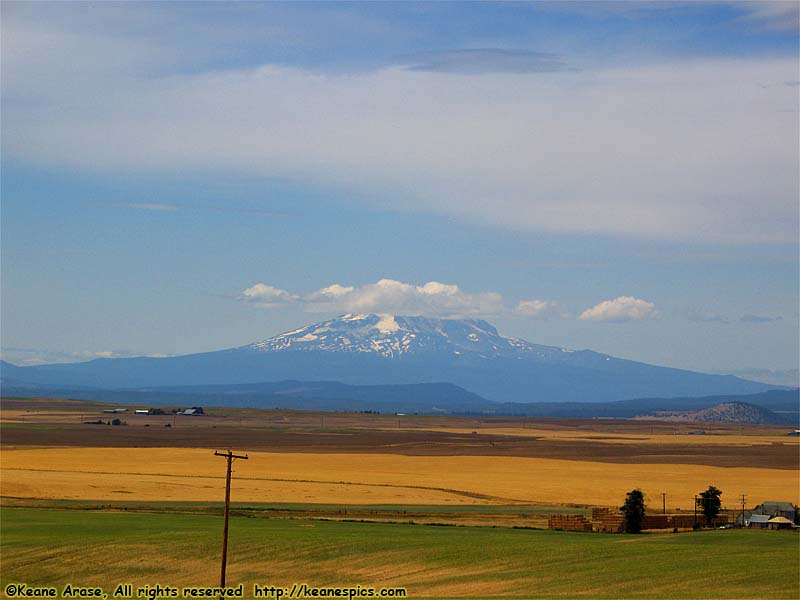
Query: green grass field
[[54, 547], [307, 509]]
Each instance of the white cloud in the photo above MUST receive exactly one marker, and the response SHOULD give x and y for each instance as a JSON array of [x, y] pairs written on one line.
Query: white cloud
[[620, 310], [330, 293], [391, 296], [433, 299], [384, 296], [541, 309], [267, 296], [689, 150]]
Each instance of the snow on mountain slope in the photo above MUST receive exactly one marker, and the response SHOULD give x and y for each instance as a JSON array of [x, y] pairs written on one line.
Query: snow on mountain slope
[[390, 336], [369, 349]]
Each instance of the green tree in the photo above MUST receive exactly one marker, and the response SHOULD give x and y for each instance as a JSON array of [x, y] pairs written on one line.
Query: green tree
[[633, 511], [710, 504]]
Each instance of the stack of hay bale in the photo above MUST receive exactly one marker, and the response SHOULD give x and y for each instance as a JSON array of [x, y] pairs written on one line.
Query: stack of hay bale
[[611, 520], [607, 520], [676, 521], [569, 523]]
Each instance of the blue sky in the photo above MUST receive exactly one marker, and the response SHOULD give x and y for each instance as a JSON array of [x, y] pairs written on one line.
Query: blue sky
[[184, 177]]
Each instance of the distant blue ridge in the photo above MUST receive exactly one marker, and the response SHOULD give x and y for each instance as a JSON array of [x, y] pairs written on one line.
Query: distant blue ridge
[[381, 350]]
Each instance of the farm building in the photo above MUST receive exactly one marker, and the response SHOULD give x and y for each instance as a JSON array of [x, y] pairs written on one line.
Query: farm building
[[758, 521], [194, 411], [779, 523], [776, 509]]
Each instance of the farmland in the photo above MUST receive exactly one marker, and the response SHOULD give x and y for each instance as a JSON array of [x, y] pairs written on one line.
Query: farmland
[[180, 474], [50, 547], [347, 459], [344, 499]]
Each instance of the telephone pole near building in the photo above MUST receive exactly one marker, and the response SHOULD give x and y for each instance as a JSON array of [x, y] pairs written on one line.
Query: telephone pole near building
[[743, 500]]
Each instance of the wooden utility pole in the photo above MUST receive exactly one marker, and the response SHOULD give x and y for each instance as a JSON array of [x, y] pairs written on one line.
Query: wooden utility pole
[[663, 503], [743, 501], [230, 456]]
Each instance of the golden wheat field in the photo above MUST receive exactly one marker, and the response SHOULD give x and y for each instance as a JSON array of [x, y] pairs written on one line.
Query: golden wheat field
[[183, 474], [568, 434]]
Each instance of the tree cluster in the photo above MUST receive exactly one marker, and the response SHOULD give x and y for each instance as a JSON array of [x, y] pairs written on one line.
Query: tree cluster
[[633, 511], [710, 504]]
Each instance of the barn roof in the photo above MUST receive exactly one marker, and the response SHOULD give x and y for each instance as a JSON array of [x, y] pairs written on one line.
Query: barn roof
[[759, 518], [780, 520], [787, 506]]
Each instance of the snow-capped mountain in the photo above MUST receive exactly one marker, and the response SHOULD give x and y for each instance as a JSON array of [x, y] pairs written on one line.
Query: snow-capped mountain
[[374, 349], [390, 336]]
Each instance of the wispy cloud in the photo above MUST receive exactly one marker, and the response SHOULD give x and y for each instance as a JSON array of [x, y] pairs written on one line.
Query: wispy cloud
[[332, 293], [389, 295], [781, 15], [541, 309], [766, 15], [267, 296], [699, 315], [620, 310], [597, 151], [386, 295], [593, 151], [254, 212], [192, 208], [40, 356], [433, 299], [475, 61], [757, 319]]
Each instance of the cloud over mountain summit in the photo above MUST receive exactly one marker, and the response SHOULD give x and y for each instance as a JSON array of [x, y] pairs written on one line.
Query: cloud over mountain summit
[[435, 299]]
